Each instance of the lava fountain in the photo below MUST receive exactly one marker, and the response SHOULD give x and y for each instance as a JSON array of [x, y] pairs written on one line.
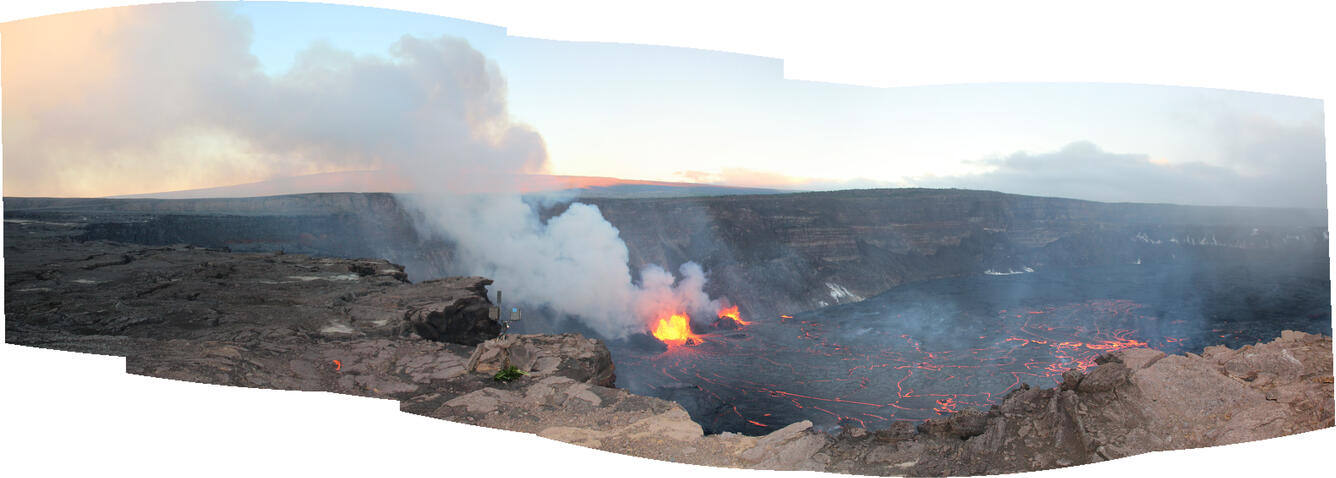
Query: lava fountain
[[732, 313], [675, 330]]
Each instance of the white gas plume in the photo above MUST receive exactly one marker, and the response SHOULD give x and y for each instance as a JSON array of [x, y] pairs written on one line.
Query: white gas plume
[[168, 97]]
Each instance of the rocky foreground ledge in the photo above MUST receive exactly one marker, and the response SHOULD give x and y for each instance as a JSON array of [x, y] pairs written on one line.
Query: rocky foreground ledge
[[1135, 401], [359, 327]]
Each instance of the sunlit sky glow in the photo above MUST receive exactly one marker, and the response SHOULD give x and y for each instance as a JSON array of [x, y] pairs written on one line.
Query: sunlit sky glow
[[673, 114]]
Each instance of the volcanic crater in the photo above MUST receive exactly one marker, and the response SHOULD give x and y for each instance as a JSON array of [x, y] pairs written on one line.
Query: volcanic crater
[[880, 332]]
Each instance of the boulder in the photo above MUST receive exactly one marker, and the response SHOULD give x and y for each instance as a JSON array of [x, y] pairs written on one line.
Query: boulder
[[378, 268], [900, 430], [462, 320], [1071, 378], [793, 447], [567, 355], [960, 425], [1136, 359], [1105, 377]]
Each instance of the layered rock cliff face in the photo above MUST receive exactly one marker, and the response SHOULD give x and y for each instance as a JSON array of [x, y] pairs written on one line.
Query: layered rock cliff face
[[785, 253], [772, 254]]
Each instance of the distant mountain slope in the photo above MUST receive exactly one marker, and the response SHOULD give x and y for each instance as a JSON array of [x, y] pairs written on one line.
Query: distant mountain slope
[[671, 190], [386, 182]]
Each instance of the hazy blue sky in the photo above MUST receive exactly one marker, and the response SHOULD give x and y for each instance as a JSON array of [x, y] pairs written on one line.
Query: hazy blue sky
[[663, 113]]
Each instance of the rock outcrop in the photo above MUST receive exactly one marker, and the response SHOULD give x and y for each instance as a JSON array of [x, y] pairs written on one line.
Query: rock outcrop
[[459, 320], [566, 355], [290, 321], [296, 322], [1135, 401]]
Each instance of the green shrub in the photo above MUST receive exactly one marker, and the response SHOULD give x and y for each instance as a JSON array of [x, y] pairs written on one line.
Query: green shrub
[[510, 372]]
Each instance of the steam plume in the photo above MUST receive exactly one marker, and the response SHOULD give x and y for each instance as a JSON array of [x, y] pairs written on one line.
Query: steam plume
[[155, 98], [574, 264]]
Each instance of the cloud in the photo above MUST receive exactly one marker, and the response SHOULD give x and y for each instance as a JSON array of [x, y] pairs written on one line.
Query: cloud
[[168, 97], [1242, 158], [1271, 165], [754, 178], [697, 176], [1259, 146]]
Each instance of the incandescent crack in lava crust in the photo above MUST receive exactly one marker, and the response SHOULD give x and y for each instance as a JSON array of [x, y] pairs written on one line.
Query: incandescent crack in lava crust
[[296, 322]]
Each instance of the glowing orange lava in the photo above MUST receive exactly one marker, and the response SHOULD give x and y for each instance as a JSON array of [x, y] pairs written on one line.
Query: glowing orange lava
[[675, 330], [338, 365], [732, 313]]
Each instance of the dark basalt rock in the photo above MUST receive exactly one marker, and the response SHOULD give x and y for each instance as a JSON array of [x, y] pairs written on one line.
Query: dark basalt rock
[[463, 321], [646, 343], [364, 268], [1071, 379], [960, 425], [725, 324], [900, 430], [1104, 378]]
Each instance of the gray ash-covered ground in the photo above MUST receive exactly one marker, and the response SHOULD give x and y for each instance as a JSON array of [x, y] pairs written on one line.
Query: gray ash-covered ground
[[924, 350]]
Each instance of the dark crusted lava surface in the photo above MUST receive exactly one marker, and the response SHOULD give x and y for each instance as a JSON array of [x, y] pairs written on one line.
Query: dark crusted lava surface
[[357, 326]]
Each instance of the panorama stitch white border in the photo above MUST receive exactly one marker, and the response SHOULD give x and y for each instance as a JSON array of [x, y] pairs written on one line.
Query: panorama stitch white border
[[80, 413]]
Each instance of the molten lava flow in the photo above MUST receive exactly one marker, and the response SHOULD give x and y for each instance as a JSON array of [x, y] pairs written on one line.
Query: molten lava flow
[[338, 365], [675, 330], [732, 313], [871, 374]]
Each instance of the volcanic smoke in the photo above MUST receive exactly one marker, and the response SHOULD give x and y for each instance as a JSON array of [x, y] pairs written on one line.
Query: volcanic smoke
[[574, 264], [430, 111]]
